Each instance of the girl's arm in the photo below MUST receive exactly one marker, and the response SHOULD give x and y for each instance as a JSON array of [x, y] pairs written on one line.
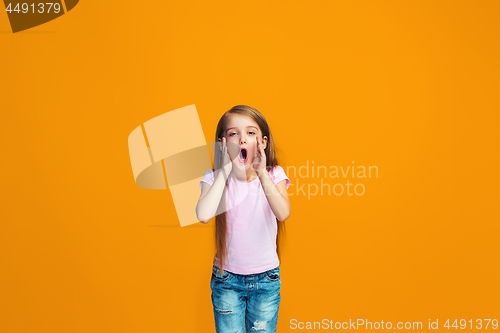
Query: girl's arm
[[209, 198], [276, 195], [211, 195]]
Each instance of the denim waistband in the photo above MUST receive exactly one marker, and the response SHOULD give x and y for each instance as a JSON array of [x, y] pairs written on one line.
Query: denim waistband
[[216, 270]]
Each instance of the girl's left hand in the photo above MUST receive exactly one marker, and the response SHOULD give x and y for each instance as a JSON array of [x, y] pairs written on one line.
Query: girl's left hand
[[259, 161]]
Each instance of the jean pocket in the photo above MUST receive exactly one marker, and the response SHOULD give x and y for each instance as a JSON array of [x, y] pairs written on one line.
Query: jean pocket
[[215, 274], [273, 274]]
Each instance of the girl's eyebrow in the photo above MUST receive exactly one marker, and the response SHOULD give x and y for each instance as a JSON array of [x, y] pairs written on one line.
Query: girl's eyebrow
[[236, 127]]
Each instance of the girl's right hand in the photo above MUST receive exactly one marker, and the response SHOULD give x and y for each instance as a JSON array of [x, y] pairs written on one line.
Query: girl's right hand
[[227, 164]]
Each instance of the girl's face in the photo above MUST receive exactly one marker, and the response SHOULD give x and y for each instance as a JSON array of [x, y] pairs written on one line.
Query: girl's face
[[242, 133]]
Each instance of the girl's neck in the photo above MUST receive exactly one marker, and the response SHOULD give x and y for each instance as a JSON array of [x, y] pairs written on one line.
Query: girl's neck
[[243, 177]]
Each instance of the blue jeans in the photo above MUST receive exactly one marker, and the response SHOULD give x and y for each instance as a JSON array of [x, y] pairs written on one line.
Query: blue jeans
[[246, 303]]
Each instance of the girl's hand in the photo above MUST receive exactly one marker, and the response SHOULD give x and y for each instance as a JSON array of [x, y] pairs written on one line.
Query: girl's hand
[[227, 164], [259, 161]]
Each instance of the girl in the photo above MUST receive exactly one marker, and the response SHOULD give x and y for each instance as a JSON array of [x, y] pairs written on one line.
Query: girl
[[248, 195]]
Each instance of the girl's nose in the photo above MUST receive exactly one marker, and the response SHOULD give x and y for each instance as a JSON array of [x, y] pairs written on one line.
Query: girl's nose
[[242, 140]]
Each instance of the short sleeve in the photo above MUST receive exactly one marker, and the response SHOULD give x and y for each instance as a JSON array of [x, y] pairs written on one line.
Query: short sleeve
[[277, 174], [208, 178]]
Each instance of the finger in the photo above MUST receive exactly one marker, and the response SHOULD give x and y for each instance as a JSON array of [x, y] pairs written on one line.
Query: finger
[[261, 147], [255, 162]]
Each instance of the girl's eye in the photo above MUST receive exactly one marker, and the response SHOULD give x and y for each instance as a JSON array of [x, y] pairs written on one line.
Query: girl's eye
[[251, 132], [231, 134]]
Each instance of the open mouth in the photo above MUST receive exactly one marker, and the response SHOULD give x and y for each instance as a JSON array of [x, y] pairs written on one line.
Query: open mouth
[[243, 155]]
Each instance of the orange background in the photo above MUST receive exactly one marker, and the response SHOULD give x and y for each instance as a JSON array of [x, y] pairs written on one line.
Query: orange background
[[410, 87]]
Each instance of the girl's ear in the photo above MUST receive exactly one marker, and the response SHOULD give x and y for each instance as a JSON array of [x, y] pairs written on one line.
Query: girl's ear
[[264, 139]]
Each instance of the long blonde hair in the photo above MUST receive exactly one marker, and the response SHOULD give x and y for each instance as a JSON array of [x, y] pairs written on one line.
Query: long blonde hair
[[271, 162]]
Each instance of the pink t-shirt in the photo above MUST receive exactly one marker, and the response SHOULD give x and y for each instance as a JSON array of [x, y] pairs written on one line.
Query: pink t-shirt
[[251, 224]]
